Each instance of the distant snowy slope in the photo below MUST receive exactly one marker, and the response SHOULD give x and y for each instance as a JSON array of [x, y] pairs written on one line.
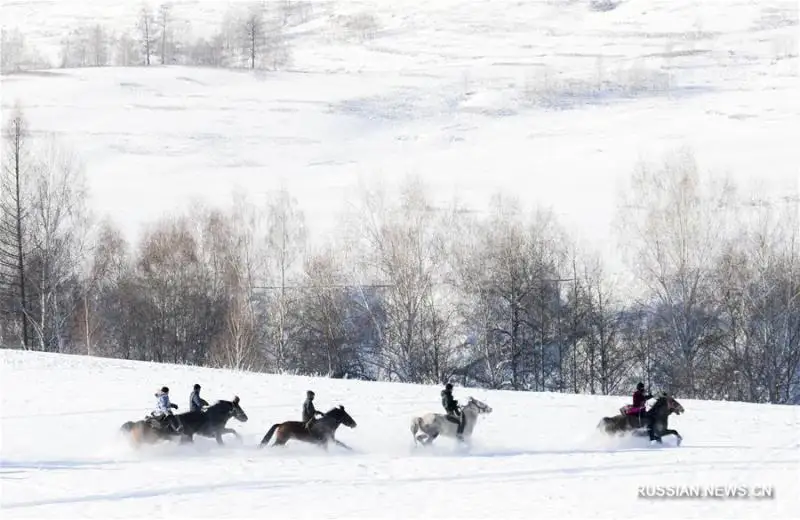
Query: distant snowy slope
[[553, 101], [535, 454]]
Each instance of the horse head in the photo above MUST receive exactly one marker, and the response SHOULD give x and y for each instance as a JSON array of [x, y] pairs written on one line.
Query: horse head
[[664, 399], [341, 416], [477, 406], [233, 409]]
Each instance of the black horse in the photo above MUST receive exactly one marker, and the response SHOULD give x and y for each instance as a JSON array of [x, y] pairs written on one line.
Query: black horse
[[321, 433], [655, 421], [208, 423], [212, 421]]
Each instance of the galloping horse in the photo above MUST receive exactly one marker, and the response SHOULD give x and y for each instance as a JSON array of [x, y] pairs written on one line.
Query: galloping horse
[[321, 433], [434, 424], [209, 423], [658, 415], [212, 421], [143, 432]]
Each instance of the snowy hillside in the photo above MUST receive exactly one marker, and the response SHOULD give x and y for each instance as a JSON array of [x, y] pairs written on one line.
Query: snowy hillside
[[535, 454], [553, 101]]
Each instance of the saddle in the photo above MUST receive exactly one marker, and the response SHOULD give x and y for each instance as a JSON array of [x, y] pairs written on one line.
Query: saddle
[[631, 410], [637, 412], [164, 422], [155, 422]]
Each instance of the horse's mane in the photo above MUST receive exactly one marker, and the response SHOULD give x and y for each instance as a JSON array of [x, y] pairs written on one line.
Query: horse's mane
[[661, 398], [224, 401], [220, 402]]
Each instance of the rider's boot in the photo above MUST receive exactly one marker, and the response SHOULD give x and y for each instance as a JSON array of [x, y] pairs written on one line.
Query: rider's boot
[[460, 430]]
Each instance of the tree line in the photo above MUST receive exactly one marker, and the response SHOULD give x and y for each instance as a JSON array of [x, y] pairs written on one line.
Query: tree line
[[255, 35], [411, 292]]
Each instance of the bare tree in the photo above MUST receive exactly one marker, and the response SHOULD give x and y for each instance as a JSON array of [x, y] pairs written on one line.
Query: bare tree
[[125, 50], [148, 33], [16, 164], [324, 335], [254, 33], [57, 228], [286, 242], [98, 46], [403, 247], [163, 22], [676, 224], [13, 50], [107, 265]]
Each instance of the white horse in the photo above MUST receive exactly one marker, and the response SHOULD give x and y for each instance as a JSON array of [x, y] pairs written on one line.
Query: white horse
[[434, 424]]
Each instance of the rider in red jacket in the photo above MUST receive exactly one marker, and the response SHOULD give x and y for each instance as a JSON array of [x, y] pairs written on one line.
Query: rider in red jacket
[[639, 399]]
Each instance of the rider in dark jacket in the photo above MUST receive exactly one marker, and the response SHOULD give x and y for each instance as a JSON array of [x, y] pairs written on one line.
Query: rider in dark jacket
[[453, 410], [309, 412], [196, 403]]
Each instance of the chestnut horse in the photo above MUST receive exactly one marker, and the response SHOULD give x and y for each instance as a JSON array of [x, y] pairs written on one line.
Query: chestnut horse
[[321, 432]]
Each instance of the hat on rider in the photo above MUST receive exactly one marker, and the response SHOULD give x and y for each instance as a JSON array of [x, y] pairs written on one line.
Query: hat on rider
[[164, 390], [196, 386], [640, 386], [310, 394], [448, 386]]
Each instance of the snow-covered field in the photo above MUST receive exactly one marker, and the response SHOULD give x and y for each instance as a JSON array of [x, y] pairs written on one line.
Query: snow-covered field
[[536, 455], [552, 101]]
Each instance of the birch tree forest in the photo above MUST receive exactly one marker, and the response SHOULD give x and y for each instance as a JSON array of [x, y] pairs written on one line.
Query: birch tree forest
[[409, 292]]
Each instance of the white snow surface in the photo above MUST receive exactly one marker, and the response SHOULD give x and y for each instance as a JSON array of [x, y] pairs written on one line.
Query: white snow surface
[[553, 101], [536, 455]]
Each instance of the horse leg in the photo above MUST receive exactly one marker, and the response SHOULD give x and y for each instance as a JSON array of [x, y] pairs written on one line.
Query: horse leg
[[234, 432], [281, 438], [431, 438], [218, 437], [675, 433], [343, 445], [655, 437]]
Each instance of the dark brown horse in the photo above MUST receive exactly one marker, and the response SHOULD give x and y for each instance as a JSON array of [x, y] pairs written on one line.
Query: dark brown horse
[[210, 422], [654, 422], [321, 432]]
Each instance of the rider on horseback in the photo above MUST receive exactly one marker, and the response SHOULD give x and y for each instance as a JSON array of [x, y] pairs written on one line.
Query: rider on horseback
[[639, 407], [163, 413], [196, 403], [639, 400], [309, 412], [454, 413]]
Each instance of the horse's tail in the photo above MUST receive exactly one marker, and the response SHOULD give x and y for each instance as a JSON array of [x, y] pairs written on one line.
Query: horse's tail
[[606, 424], [127, 427], [416, 426], [268, 436]]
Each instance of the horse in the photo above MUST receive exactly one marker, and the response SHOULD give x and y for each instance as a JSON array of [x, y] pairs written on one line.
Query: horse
[[212, 421], [143, 432], [658, 415], [434, 424], [209, 423], [321, 433]]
